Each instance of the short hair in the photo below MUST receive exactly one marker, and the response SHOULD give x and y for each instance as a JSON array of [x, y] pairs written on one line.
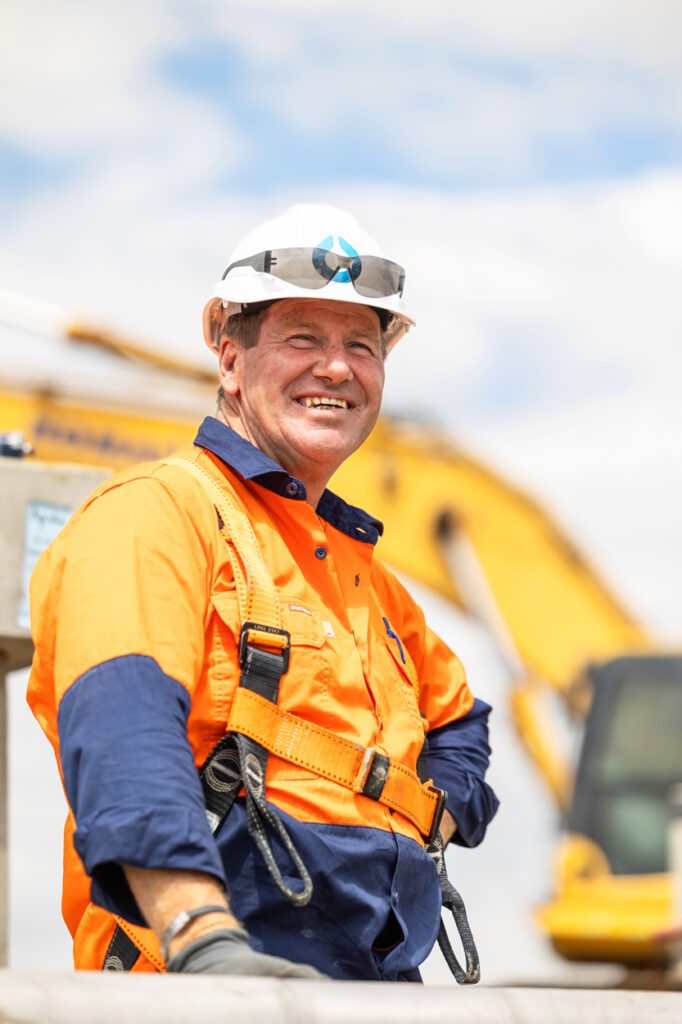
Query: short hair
[[244, 329]]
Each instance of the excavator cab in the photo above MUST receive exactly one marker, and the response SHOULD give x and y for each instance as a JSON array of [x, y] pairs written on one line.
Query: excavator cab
[[614, 892], [631, 758]]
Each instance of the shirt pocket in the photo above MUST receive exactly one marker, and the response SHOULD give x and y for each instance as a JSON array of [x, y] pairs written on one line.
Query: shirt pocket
[[403, 678], [303, 690], [305, 683]]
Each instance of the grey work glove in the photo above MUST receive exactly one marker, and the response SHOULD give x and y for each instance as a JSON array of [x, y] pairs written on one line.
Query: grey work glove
[[227, 951]]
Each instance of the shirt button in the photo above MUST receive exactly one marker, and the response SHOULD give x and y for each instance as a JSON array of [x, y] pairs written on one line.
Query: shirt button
[[320, 552], [292, 489]]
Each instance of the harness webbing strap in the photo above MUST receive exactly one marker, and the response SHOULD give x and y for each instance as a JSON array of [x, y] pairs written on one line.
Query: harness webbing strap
[[256, 593], [361, 769], [261, 672]]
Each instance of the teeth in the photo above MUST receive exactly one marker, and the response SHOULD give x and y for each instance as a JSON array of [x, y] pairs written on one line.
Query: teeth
[[320, 403]]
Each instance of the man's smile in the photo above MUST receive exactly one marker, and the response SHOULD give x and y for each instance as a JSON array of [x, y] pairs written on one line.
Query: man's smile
[[324, 402]]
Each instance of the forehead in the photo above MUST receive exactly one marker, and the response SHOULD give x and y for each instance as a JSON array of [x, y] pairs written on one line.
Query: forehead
[[323, 314]]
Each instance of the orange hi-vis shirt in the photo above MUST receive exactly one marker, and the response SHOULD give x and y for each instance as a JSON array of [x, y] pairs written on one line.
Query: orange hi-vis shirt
[[136, 625]]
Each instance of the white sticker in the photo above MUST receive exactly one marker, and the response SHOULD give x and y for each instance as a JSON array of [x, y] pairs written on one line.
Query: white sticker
[[43, 523], [328, 630]]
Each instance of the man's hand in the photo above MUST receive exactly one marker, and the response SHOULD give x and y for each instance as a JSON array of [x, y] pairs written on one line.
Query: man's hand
[[226, 951]]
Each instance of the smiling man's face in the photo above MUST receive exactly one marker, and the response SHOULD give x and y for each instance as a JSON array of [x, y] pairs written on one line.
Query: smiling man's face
[[309, 392]]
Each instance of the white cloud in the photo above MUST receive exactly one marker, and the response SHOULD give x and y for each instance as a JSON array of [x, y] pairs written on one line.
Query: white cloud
[[69, 69], [462, 96], [645, 33], [459, 90]]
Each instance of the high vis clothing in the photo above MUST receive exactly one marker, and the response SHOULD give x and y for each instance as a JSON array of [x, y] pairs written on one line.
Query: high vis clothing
[[136, 622]]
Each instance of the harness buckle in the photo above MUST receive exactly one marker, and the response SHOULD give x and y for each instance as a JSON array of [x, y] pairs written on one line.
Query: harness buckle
[[269, 636], [372, 773], [438, 813]]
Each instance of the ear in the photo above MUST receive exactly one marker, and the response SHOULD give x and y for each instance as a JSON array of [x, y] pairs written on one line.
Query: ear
[[229, 365], [212, 315]]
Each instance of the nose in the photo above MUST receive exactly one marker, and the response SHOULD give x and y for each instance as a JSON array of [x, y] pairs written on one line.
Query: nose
[[333, 365]]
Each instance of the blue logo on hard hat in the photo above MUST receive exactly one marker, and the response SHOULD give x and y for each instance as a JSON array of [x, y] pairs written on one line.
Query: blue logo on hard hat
[[329, 269]]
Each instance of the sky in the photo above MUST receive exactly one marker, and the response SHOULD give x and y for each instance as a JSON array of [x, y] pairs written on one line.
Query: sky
[[522, 160]]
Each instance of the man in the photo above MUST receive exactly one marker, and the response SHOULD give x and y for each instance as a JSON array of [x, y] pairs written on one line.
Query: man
[[228, 590]]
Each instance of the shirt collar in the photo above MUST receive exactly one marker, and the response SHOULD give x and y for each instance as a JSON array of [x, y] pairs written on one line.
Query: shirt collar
[[253, 464]]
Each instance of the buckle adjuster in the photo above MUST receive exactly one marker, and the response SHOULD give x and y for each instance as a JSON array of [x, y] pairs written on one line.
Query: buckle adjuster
[[438, 814], [372, 773], [280, 639]]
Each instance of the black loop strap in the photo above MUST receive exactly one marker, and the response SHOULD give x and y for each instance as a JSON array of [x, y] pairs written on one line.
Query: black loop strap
[[453, 901], [260, 813]]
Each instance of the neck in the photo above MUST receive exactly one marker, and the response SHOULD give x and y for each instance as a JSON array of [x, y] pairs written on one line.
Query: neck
[[315, 478]]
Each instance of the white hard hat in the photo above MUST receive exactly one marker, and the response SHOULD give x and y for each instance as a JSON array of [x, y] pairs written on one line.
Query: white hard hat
[[315, 252]]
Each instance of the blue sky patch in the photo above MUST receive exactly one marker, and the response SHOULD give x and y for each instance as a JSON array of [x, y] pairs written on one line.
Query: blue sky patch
[[403, 118], [23, 172]]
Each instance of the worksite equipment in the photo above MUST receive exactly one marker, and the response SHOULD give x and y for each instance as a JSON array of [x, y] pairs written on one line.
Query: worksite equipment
[[488, 548], [309, 252]]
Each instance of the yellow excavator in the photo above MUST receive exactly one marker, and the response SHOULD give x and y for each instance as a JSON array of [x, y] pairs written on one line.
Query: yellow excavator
[[479, 542]]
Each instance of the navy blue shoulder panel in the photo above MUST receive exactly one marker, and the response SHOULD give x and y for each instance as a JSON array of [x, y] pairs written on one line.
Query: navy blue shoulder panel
[[130, 778]]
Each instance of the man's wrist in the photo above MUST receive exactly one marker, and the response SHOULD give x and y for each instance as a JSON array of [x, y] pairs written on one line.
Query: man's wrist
[[199, 926], [448, 827], [182, 920]]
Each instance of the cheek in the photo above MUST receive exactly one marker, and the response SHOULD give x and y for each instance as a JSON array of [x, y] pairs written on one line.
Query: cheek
[[374, 385]]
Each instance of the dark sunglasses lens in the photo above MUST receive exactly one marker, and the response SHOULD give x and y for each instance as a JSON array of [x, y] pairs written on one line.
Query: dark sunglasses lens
[[372, 276], [305, 268], [378, 278]]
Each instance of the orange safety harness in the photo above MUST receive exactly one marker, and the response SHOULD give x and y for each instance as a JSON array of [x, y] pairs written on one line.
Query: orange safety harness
[[257, 727], [264, 647]]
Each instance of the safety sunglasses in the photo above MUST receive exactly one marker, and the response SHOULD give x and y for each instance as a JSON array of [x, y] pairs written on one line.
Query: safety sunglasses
[[371, 276]]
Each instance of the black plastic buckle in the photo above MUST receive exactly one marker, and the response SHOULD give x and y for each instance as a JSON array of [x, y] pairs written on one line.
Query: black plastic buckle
[[438, 814], [285, 652], [375, 775]]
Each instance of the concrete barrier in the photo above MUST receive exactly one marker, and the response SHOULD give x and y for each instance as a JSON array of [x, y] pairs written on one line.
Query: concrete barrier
[[89, 998]]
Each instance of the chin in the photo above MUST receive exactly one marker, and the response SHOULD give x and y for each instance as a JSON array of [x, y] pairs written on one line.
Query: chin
[[325, 449]]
